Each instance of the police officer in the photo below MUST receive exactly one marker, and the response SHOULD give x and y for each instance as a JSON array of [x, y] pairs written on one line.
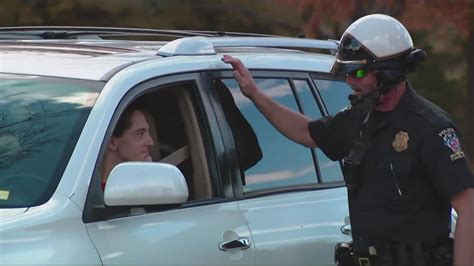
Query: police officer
[[404, 165]]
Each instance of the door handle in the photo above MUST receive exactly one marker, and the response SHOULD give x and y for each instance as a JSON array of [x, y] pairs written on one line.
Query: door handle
[[243, 243], [346, 229]]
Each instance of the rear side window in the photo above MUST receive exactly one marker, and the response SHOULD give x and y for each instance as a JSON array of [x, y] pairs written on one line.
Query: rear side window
[[335, 96], [40, 122], [330, 171], [284, 163], [334, 93]]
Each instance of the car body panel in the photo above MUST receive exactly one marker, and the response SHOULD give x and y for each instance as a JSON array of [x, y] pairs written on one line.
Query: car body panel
[[297, 228], [82, 62], [8, 213], [188, 236], [50, 233]]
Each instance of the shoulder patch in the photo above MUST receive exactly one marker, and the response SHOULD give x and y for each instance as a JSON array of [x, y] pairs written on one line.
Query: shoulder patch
[[451, 140]]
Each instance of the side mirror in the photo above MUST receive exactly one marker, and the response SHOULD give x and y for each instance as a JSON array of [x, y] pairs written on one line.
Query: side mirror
[[145, 183]]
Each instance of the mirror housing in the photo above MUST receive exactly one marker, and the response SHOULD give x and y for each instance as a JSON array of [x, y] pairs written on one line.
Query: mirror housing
[[145, 183]]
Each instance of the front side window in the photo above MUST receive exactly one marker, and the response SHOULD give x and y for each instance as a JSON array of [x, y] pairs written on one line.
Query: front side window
[[174, 117], [163, 125], [40, 121]]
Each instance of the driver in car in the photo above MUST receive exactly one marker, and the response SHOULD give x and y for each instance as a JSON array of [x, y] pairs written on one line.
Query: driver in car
[[130, 141]]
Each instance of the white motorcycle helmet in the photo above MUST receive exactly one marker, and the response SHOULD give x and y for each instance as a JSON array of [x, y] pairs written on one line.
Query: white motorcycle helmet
[[379, 43]]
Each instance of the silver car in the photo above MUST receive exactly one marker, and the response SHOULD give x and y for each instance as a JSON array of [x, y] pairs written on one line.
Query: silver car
[[224, 187]]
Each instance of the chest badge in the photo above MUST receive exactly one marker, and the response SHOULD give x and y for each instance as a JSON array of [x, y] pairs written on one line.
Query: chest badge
[[400, 143]]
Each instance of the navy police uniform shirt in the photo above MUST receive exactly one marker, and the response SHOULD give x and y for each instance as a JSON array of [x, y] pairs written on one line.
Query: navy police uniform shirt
[[413, 167]]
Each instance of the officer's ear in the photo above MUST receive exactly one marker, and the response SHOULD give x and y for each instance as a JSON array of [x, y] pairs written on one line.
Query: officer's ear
[[415, 58], [387, 78]]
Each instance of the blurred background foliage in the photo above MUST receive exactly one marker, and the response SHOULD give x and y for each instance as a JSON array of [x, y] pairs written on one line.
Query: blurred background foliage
[[444, 28]]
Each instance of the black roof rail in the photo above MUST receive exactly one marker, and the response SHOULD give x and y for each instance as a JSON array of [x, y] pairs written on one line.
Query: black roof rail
[[86, 32], [231, 34]]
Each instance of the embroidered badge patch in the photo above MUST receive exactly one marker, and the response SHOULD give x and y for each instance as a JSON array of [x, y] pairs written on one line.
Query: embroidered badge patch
[[400, 143], [451, 140]]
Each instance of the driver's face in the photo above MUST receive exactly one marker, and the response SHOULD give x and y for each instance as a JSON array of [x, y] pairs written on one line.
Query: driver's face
[[362, 86], [135, 142]]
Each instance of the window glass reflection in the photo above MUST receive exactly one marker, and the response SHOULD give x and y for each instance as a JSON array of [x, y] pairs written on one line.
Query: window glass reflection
[[284, 162], [40, 121], [334, 94], [330, 170]]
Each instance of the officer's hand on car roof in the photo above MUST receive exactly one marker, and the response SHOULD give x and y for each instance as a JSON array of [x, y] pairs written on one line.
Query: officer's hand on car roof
[[242, 75]]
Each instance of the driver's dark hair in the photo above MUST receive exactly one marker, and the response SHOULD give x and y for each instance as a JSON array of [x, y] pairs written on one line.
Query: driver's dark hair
[[124, 121]]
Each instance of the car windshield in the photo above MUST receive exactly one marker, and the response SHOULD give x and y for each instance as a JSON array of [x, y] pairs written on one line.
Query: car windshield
[[41, 119]]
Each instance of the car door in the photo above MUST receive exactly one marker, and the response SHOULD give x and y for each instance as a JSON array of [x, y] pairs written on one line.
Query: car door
[[206, 230], [186, 236], [293, 199]]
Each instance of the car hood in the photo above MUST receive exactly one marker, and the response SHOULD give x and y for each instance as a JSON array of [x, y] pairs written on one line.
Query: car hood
[[8, 213]]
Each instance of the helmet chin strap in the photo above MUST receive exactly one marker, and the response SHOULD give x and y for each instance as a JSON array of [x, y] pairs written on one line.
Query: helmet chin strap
[[367, 102]]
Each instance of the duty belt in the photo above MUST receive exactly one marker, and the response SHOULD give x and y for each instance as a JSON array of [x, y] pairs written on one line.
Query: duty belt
[[439, 253]]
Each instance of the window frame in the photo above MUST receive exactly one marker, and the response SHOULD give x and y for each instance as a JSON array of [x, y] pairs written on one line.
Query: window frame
[[229, 143], [212, 141], [326, 76]]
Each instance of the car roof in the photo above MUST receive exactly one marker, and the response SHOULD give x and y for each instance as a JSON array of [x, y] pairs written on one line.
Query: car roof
[[74, 59], [25, 50]]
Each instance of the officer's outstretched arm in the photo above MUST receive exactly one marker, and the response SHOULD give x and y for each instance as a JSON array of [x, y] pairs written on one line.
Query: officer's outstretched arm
[[463, 203], [290, 123]]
